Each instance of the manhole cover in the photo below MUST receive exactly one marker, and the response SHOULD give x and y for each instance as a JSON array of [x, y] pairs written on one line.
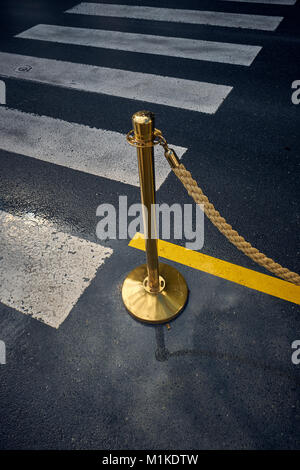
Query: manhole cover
[[23, 68]]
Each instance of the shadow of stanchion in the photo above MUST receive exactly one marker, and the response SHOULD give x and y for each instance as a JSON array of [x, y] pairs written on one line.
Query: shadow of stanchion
[[162, 354]]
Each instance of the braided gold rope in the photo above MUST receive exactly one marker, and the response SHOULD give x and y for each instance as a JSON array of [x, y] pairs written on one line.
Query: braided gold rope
[[232, 235]]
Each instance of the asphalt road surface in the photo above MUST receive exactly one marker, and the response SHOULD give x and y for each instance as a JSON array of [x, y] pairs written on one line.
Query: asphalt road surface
[[79, 372]]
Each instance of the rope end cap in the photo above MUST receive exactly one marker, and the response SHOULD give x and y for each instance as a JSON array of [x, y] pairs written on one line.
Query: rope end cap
[[172, 158]]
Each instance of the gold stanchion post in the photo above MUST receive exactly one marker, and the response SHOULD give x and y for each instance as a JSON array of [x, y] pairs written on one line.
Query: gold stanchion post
[[153, 292]]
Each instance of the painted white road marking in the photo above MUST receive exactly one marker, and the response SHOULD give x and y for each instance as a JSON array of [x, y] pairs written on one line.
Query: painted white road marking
[[212, 18], [2, 92], [228, 53], [44, 272], [170, 91], [269, 2], [95, 151]]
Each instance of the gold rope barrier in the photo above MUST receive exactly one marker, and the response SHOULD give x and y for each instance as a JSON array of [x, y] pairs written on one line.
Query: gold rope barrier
[[232, 235]]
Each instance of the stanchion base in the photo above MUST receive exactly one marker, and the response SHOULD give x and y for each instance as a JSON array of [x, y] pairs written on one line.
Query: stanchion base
[[155, 308]]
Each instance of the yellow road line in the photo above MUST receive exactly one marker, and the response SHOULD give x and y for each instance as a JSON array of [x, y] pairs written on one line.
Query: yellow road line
[[232, 272]]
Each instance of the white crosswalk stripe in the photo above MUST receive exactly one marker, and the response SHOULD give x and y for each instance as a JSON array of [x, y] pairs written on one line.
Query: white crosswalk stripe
[[197, 96], [237, 54], [43, 271], [212, 18], [62, 143]]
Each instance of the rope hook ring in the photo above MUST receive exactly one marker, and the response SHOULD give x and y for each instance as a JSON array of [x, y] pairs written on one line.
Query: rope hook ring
[[132, 140]]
